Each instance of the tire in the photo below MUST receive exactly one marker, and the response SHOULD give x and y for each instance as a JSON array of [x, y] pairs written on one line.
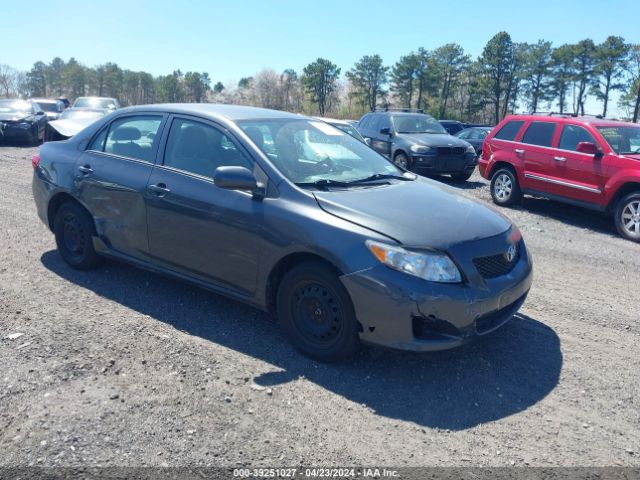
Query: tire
[[462, 177], [316, 314], [627, 216], [73, 228], [402, 161], [505, 189]]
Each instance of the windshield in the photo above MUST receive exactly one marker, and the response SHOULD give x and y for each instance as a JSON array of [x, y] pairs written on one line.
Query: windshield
[[416, 124], [49, 106], [84, 102], [622, 139], [15, 106], [82, 114], [350, 130], [308, 151]]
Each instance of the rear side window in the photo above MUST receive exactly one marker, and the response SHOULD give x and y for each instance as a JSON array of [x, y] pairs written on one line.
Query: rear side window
[[539, 133], [510, 130], [572, 135], [364, 122], [131, 137]]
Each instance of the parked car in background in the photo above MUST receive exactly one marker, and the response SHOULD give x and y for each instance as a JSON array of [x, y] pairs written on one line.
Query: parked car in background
[[51, 107], [475, 136], [418, 143], [452, 126], [65, 101], [72, 121], [22, 121], [584, 161], [96, 102], [341, 249], [345, 126]]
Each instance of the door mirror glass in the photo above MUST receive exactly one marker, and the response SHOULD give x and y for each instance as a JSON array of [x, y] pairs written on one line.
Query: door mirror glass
[[235, 178], [588, 148]]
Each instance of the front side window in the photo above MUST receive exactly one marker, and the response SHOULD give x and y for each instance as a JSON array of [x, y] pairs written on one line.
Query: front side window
[[624, 139], [539, 133], [131, 137], [572, 135], [464, 134], [418, 123], [308, 151], [510, 130], [200, 148]]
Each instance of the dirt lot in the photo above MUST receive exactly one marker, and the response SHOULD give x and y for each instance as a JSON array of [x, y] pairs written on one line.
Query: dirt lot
[[122, 367]]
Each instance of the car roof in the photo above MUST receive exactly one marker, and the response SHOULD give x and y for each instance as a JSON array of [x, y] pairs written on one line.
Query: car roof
[[214, 110], [45, 100], [596, 121]]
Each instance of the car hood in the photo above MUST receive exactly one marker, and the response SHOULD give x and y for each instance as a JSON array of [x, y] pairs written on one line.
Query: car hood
[[420, 213], [69, 127], [434, 139], [13, 117]]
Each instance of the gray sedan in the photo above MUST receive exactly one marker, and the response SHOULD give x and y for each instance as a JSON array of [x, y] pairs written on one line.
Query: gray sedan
[[288, 214]]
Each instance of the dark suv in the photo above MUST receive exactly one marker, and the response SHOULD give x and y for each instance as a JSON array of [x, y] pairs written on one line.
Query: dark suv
[[417, 142], [585, 161]]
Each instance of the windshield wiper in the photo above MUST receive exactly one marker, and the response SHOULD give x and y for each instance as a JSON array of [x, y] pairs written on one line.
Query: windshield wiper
[[323, 184], [382, 176]]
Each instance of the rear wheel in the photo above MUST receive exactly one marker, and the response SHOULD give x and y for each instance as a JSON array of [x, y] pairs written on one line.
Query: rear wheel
[[73, 228], [505, 189], [316, 314], [627, 216]]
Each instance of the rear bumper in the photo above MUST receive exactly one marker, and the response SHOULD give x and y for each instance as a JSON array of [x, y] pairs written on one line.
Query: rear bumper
[[403, 312]]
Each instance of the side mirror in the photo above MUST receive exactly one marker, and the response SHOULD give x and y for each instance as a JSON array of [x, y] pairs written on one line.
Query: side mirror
[[367, 141], [385, 131], [237, 178], [589, 148], [40, 112]]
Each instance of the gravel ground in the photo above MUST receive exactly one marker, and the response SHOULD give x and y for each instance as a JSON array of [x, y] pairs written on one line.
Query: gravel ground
[[122, 367]]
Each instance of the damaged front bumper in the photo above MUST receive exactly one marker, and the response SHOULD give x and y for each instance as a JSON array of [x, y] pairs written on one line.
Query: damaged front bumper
[[403, 312]]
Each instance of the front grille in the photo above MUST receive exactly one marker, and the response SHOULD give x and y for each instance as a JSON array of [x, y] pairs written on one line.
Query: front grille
[[451, 150], [496, 265]]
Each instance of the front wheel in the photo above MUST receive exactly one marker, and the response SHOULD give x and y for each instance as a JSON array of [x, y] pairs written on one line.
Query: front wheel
[[402, 161], [316, 314], [73, 228], [505, 189], [627, 216]]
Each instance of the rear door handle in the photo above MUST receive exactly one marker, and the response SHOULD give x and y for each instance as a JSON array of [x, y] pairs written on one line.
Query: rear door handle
[[85, 169], [560, 159], [160, 189]]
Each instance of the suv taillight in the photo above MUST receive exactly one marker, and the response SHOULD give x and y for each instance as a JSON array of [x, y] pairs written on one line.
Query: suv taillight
[[35, 161]]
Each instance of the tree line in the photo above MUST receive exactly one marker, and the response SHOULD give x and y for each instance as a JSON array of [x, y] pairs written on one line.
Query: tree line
[[448, 83]]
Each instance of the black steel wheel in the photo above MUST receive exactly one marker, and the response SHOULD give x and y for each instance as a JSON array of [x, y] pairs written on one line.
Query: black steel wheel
[[73, 228], [316, 314]]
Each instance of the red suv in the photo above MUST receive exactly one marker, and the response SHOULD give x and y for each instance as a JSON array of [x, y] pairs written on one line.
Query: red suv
[[584, 161]]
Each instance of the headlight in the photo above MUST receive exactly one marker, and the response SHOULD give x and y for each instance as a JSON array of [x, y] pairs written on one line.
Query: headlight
[[23, 125], [470, 149], [420, 149], [432, 266]]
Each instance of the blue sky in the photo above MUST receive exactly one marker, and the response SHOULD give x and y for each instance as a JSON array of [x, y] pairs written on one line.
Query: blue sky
[[231, 40]]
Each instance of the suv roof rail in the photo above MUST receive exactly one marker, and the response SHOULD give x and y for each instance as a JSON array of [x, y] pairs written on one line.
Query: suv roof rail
[[412, 110], [564, 114]]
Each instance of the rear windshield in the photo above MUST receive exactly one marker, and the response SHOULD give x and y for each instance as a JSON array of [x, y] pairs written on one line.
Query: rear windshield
[[624, 139], [510, 130]]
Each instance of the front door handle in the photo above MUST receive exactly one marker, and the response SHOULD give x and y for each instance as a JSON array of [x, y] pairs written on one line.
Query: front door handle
[[160, 189], [519, 151], [85, 169], [560, 159]]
